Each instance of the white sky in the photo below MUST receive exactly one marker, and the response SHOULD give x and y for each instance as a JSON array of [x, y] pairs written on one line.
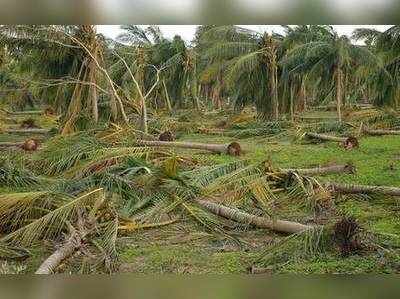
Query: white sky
[[187, 31]]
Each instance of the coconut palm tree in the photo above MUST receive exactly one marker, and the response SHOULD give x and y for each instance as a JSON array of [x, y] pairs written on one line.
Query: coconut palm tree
[[146, 54], [329, 60], [296, 84], [385, 83], [65, 61], [253, 69]]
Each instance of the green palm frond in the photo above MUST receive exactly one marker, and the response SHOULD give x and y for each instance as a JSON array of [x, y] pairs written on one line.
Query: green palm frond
[[64, 152], [13, 175]]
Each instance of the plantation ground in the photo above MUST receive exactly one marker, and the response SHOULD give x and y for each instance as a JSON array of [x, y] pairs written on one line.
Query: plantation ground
[[378, 163], [179, 248]]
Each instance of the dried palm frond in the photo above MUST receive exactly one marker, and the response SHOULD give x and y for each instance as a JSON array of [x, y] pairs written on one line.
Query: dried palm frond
[[18, 209], [55, 221], [304, 245]]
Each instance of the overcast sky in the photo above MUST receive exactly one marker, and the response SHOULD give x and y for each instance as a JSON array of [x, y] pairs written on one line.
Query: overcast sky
[[187, 31]]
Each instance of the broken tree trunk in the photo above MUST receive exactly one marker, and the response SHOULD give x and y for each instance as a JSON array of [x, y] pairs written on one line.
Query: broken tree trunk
[[363, 189], [27, 145], [346, 168], [11, 144], [50, 265], [246, 218], [23, 112], [26, 131], [232, 149], [380, 132], [346, 142]]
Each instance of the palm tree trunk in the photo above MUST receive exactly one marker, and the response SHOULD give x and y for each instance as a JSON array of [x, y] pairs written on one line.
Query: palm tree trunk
[[380, 132], [339, 84], [274, 90], [50, 265], [143, 118], [10, 144], [303, 94], [347, 168], [346, 142], [93, 95], [325, 137], [167, 100], [39, 112], [246, 218], [292, 101], [113, 107], [233, 148], [363, 189], [26, 131]]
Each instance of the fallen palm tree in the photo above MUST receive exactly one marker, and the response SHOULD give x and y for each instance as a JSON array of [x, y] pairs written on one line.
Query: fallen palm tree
[[363, 189], [65, 251], [27, 112], [246, 218], [347, 142], [232, 148], [212, 131], [371, 132], [28, 145], [26, 131], [346, 168]]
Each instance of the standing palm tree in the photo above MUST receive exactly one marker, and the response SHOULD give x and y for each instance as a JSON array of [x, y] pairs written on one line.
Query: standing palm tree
[[328, 60], [296, 84], [68, 62], [146, 54], [384, 83], [252, 65]]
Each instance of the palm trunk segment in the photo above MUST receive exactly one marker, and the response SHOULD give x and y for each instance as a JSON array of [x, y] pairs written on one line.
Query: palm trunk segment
[[347, 168], [246, 218], [26, 131], [232, 149], [363, 189], [346, 142], [379, 132]]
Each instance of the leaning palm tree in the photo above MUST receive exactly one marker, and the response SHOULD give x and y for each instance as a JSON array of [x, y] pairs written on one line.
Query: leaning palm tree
[[329, 60]]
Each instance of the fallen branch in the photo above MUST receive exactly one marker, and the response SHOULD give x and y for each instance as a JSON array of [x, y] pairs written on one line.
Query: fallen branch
[[232, 149], [246, 218], [363, 189], [346, 142]]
